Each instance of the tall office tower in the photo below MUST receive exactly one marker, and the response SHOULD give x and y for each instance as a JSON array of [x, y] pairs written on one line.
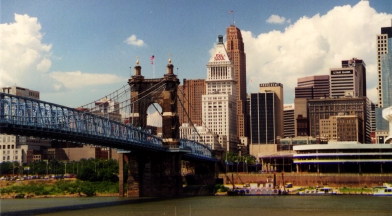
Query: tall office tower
[[288, 120], [219, 111], [190, 94], [344, 82], [312, 87], [360, 69], [384, 61], [236, 51], [266, 114]]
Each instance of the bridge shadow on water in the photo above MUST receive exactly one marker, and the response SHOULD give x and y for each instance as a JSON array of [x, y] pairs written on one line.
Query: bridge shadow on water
[[58, 209]]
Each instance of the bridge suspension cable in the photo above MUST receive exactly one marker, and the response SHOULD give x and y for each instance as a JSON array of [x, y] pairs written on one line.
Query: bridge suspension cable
[[189, 118]]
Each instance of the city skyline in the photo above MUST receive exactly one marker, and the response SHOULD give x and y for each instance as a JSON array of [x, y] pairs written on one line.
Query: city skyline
[[77, 52]]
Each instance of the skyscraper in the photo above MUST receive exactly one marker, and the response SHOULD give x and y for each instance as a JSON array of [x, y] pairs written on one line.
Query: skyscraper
[[384, 61], [236, 52], [384, 68], [219, 102], [360, 68], [344, 82], [288, 120], [266, 109]]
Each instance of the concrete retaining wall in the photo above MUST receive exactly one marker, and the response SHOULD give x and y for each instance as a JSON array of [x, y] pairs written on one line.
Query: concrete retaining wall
[[305, 179]]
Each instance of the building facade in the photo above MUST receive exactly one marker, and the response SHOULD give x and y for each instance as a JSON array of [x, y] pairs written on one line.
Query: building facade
[[236, 51], [360, 69], [344, 82], [324, 108], [266, 119], [201, 135], [384, 69], [219, 111], [384, 63], [288, 120], [342, 128], [190, 94], [312, 87]]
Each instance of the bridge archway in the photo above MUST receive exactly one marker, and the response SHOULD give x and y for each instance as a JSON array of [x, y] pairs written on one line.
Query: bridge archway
[[154, 118], [162, 91]]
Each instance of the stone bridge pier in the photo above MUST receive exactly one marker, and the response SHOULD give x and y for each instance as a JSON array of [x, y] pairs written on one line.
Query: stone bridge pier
[[152, 174]]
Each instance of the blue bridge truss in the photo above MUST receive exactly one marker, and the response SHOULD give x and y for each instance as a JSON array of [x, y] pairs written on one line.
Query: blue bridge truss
[[31, 117]]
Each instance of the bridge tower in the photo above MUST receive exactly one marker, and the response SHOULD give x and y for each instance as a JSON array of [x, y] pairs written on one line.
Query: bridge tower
[[154, 174], [144, 93]]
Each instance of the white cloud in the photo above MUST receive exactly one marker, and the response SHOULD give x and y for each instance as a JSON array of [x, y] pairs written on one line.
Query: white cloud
[[134, 41], [25, 60], [313, 45], [276, 19], [154, 119], [78, 79]]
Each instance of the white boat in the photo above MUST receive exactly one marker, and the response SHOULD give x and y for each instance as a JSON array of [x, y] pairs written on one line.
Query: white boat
[[318, 191], [385, 190], [255, 189]]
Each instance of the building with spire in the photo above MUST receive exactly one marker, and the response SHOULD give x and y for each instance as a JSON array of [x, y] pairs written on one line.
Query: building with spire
[[236, 51], [219, 111]]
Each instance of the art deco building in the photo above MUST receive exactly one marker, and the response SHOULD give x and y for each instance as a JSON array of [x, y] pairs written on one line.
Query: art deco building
[[219, 103], [236, 52], [190, 94]]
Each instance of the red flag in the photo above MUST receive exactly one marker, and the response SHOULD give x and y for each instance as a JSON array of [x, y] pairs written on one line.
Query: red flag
[[152, 59]]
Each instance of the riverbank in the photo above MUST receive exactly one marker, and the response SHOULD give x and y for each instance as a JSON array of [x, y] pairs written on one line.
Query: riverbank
[[57, 188]]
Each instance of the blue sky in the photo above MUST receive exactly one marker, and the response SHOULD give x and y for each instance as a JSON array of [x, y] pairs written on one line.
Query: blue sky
[[77, 51]]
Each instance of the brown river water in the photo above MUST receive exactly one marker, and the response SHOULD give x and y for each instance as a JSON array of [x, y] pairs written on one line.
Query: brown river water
[[292, 205]]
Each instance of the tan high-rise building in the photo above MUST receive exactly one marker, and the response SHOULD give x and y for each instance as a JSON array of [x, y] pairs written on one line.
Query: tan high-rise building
[[235, 49], [190, 94]]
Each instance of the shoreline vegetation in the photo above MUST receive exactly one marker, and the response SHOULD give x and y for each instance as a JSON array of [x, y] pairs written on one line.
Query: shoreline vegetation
[[56, 188], [76, 188]]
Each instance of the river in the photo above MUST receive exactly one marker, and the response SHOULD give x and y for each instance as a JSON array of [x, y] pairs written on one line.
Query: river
[[208, 205]]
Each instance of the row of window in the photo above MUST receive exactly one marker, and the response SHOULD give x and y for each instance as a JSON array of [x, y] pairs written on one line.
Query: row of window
[[7, 146], [8, 158], [8, 152]]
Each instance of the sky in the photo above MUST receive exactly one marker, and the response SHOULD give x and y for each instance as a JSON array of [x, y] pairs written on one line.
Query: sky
[[75, 52]]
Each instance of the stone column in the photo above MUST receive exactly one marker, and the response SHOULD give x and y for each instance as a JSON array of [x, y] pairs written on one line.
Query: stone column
[[121, 175]]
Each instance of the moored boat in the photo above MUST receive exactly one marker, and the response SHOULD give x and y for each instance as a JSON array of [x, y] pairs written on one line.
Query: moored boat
[[256, 189], [385, 190], [318, 191]]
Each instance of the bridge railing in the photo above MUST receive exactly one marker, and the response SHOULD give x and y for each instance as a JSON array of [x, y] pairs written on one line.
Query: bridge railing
[[33, 114], [28, 112], [196, 148]]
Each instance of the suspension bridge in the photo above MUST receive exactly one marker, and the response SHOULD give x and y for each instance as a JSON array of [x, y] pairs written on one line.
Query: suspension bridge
[[119, 120]]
